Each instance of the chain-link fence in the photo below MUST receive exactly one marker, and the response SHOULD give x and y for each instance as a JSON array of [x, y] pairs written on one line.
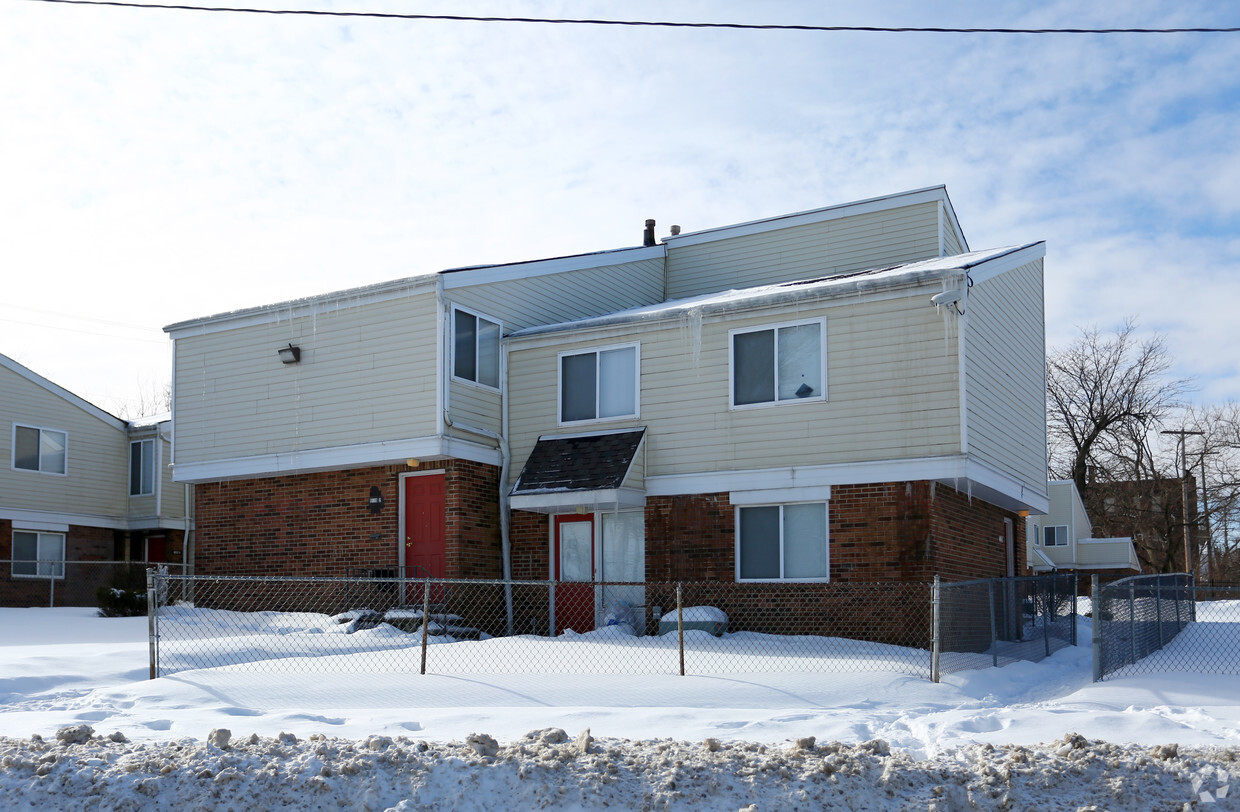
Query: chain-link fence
[[467, 626], [1163, 624], [373, 621], [996, 621], [69, 583]]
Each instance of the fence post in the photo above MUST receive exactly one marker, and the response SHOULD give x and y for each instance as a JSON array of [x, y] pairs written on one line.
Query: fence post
[[1158, 610], [1132, 621], [51, 585], [1076, 586], [1048, 606], [680, 628], [936, 634], [994, 638], [1095, 601], [426, 618], [152, 610]]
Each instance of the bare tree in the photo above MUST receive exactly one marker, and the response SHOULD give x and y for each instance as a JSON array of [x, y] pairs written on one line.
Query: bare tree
[[1105, 394], [152, 398]]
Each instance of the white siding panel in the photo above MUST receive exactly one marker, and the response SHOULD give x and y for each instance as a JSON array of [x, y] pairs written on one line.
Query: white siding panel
[[1005, 374], [951, 243], [892, 387], [566, 296], [475, 406], [366, 374], [862, 241], [97, 458]]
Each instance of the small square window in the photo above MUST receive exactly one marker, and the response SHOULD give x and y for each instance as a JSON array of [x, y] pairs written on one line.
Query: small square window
[[778, 364], [38, 555], [599, 385], [475, 349], [782, 543], [1055, 535], [36, 449]]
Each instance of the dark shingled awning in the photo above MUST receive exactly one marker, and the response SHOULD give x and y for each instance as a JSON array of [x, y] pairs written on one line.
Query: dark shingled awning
[[590, 462]]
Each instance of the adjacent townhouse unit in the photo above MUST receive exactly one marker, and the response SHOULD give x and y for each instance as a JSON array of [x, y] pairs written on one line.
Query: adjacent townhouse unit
[[843, 394], [1061, 539], [80, 487]]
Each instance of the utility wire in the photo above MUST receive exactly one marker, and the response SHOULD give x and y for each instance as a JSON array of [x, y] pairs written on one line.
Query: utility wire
[[867, 29]]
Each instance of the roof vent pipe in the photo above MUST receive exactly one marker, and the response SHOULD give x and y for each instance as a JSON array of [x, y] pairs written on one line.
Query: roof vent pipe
[[648, 238], [675, 231]]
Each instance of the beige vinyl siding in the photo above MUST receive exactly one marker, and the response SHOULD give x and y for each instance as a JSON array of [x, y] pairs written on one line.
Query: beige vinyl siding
[[951, 242], [367, 374], [97, 480], [854, 243], [565, 296], [1005, 374], [168, 502], [474, 405], [891, 384]]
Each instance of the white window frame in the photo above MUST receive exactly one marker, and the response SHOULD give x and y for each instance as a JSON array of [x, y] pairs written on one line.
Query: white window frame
[[498, 351], [1057, 528], [597, 353], [782, 579], [45, 568], [822, 360], [39, 469], [143, 474]]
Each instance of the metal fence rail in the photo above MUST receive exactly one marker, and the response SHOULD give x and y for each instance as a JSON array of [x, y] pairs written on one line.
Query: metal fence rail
[[1165, 623], [68, 583], [997, 621]]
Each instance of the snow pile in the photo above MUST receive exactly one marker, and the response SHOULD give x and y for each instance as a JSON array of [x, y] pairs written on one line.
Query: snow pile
[[547, 769]]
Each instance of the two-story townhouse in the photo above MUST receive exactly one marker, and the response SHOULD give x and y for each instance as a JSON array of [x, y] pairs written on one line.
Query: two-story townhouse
[[80, 485], [737, 403]]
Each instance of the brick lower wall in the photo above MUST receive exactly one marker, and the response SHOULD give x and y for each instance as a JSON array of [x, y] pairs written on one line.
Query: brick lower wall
[[77, 588], [319, 524]]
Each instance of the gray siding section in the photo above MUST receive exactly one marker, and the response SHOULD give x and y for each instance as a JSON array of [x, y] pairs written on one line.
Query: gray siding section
[[892, 383], [368, 373], [565, 296], [951, 242], [97, 455], [853, 243], [1005, 374], [475, 406]]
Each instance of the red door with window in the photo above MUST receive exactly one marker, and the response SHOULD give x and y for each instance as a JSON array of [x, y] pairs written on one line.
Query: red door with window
[[425, 526], [574, 569]]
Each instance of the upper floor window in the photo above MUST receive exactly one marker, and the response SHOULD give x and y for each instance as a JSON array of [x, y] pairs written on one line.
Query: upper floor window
[[599, 384], [141, 467], [475, 348], [1055, 535], [780, 363], [38, 555], [36, 449], [782, 542]]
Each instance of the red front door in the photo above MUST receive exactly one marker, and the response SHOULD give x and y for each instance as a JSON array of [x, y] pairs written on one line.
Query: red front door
[[574, 569], [425, 526]]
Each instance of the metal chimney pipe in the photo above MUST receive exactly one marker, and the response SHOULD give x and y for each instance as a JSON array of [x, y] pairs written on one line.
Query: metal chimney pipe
[[648, 238]]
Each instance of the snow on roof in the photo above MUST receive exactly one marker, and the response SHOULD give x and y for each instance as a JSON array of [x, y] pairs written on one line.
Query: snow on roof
[[150, 420], [908, 274]]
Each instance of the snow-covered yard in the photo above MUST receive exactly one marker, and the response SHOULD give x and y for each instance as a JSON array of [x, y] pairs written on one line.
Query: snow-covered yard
[[83, 728]]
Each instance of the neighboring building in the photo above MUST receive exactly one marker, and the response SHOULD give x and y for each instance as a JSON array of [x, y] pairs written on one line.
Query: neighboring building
[[1151, 512], [79, 485], [1062, 539], [842, 394]]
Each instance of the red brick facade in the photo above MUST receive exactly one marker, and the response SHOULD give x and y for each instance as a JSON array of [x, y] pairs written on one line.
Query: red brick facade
[[320, 524], [77, 588]]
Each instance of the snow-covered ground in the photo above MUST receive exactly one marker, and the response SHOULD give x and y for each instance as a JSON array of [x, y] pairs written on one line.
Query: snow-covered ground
[[83, 728]]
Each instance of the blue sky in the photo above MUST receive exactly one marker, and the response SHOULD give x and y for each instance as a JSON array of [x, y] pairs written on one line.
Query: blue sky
[[160, 165]]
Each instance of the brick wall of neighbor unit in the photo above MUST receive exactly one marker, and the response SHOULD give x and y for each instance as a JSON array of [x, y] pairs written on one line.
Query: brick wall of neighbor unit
[[530, 537], [77, 588], [319, 524], [966, 536]]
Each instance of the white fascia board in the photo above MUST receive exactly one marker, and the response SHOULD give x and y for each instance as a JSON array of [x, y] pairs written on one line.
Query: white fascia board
[[490, 274], [990, 268], [336, 458], [775, 496], [958, 470], [156, 523], [874, 204], [54, 521], [283, 311], [62, 393], [565, 501]]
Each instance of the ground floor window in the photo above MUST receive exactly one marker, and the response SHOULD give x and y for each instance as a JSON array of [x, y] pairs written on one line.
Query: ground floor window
[[38, 555], [782, 542]]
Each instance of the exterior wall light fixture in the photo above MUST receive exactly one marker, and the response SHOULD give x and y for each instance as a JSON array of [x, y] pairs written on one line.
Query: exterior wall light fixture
[[289, 354]]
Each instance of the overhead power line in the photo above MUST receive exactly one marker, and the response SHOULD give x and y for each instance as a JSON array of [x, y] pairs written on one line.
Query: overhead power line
[[865, 29]]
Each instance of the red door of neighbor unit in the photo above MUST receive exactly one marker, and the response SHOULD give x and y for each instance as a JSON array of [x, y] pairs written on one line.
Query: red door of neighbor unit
[[574, 569], [425, 526]]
